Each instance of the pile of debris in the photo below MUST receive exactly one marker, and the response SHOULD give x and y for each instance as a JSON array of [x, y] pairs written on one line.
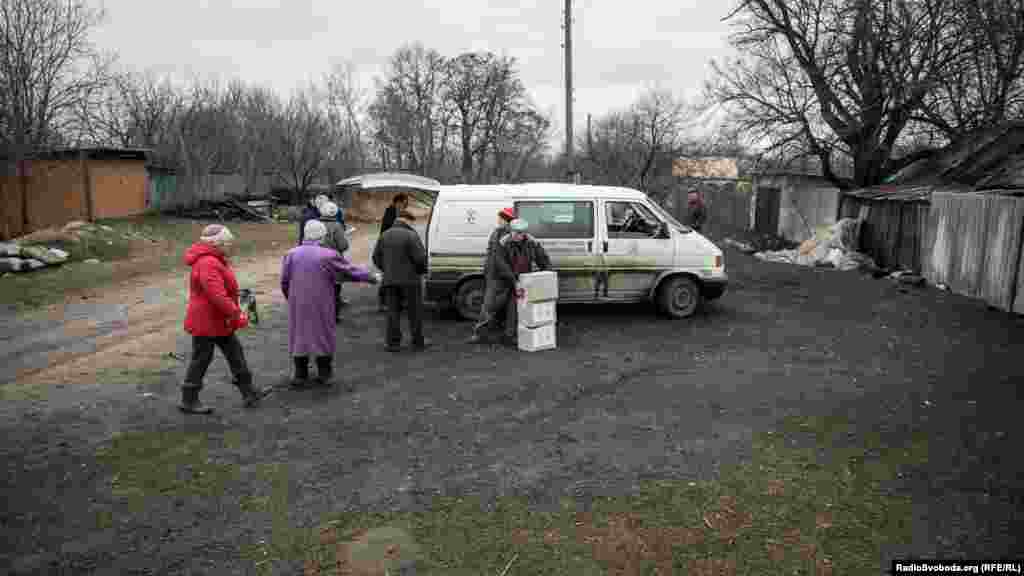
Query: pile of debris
[[17, 258], [230, 209], [833, 246]]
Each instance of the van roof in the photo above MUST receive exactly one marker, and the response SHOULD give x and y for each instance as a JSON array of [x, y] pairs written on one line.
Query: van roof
[[536, 190]]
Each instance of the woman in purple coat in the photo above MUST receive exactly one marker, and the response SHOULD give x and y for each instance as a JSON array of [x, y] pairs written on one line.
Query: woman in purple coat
[[308, 275]]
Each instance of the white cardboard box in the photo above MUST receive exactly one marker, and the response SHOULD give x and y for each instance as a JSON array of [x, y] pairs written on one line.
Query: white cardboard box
[[540, 286], [536, 339], [535, 314]]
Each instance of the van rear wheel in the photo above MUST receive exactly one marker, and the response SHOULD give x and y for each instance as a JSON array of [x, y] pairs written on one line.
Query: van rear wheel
[[469, 298], [679, 297]]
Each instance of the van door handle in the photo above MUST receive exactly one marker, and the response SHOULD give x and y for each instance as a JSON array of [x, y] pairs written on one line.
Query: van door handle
[[605, 245], [590, 246]]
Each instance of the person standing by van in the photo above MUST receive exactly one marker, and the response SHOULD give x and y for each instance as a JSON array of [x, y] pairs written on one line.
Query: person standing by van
[[400, 255], [519, 253], [398, 204], [496, 294], [335, 240], [698, 213]]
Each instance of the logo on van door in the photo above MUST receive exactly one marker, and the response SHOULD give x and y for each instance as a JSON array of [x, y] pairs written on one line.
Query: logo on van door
[[470, 216]]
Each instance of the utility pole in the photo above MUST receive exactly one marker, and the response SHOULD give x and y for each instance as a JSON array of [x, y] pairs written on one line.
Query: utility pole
[[568, 91]]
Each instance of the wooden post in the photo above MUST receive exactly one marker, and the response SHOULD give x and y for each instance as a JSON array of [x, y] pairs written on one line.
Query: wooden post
[[90, 206]]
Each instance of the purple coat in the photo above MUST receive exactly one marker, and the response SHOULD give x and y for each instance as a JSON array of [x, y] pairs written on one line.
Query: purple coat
[[308, 275]]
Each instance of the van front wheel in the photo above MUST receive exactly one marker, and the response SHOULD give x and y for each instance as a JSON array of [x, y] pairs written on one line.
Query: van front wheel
[[678, 297], [469, 298]]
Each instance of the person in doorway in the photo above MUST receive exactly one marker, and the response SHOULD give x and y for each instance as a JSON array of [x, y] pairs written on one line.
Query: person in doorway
[[697, 211], [335, 240], [519, 253], [398, 204], [212, 318], [400, 255], [309, 274], [495, 291]]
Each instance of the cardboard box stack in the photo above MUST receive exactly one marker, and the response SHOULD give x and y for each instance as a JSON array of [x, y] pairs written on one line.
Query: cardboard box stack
[[536, 311]]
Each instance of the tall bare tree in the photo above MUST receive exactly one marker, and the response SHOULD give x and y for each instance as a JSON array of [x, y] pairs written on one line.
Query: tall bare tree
[[833, 78], [346, 103], [304, 140], [48, 67]]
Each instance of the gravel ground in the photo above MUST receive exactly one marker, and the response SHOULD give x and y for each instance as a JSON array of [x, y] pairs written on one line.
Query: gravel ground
[[627, 396]]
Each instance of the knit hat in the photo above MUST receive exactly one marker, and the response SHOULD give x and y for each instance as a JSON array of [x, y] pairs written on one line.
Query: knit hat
[[508, 214], [519, 225], [217, 235], [328, 209], [314, 230]]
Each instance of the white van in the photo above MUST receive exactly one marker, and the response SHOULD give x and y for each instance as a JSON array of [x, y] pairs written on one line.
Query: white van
[[607, 244]]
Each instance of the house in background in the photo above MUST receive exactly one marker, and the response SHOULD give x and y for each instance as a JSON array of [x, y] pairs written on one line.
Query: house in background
[[58, 186]]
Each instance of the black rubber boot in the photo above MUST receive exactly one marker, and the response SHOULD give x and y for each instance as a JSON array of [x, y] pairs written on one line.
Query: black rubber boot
[[324, 370], [301, 379], [250, 395], [190, 403]]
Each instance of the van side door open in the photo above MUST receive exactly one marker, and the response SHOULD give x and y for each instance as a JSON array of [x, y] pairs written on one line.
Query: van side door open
[[567, 230], [636, 249]]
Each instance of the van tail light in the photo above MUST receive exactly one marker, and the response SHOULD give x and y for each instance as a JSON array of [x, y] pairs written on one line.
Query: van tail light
[[718, 261]]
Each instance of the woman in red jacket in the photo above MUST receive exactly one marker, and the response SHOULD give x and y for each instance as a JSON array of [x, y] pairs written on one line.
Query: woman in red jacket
[[213, 317]]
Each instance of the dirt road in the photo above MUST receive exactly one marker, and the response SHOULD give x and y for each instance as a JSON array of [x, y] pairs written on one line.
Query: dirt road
[[626, 396]]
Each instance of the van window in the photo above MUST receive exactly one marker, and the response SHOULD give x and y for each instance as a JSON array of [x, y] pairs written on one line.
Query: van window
[[558, 219], [630, 220]]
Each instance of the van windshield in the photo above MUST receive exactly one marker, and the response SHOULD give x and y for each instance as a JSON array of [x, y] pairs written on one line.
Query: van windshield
[[668, 217]]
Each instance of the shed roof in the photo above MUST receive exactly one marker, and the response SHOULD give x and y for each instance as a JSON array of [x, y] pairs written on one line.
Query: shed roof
[[904, 192], [95, 153], [990, 158]]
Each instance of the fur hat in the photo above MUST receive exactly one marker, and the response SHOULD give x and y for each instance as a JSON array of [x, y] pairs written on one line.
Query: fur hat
[[314, 230], [519, 225], [217, 235], [328, 209]]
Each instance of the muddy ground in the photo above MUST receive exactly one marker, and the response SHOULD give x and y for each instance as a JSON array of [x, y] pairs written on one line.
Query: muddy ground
[[626, 396]]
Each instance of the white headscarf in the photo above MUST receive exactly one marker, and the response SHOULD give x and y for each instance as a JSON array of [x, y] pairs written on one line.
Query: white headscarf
[[328, 209], [320, 200], [314, 230], [217, 235]]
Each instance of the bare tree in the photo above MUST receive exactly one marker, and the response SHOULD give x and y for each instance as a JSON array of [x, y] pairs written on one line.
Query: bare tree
[[346, 103], [304, 139], [635, 146], [835, 78], [48, 67]]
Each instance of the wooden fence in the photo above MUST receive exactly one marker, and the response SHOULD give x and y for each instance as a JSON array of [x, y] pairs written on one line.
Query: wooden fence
[[168, 190], [973, 245], [727, 204], [894, 226]]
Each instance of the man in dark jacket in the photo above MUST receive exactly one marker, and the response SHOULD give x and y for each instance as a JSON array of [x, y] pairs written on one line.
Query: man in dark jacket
[[399, 203], [311, 211], [698, 213], [400, 255], [495, 292], [518, 253]]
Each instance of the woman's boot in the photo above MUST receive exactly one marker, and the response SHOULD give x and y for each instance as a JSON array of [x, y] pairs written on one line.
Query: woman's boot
[[250, 395], [190, 403], [324, 370], [301, 379]]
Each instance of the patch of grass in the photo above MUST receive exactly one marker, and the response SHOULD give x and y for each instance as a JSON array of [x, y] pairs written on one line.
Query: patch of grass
[[167, 464], [815, 507]]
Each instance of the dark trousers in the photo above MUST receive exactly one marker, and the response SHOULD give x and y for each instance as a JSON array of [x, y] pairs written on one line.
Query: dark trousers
[[493, 312], [412, 296], [202, 356]]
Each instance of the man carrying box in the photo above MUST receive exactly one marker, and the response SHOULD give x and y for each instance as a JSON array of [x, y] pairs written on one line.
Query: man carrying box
[[496, 294], [518, 253]]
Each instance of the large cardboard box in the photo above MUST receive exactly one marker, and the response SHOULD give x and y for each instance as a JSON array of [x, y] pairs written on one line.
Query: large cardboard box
[[535, 314], [536, 339], [540, 286]]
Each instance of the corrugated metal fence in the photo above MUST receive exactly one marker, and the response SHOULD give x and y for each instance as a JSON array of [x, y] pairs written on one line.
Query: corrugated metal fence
[[973, 245], [168, 190]]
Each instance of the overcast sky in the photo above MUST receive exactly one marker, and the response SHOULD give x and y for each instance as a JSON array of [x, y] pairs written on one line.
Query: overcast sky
[[620, 46]]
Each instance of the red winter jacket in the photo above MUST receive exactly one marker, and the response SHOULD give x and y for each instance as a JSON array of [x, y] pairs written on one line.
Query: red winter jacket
[[212, 293]]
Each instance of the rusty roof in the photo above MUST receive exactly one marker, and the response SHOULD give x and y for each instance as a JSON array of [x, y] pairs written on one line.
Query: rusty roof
[[904, 192]]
